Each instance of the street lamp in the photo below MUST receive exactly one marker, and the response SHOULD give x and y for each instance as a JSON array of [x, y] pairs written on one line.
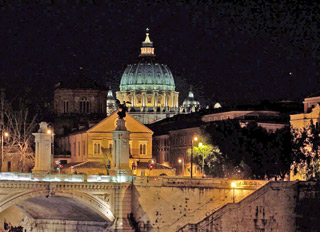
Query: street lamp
[[181, 161], [195, 138], [51, 132], [3, 134], [233, 185]]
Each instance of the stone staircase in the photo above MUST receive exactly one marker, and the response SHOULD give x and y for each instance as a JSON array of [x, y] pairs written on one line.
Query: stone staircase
[[209, 223], [201, 210]]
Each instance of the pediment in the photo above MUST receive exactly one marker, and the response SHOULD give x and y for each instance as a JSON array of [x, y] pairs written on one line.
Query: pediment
[[109, 124]]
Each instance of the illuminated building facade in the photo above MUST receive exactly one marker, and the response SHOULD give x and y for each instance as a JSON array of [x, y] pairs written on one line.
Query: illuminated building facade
[[149, 86]]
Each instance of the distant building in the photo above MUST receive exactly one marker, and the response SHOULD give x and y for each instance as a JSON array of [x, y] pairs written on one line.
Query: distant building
[[190, 104], [111, 103], [303, 120], [172, 137], [265, 119], [311, 112], [77, 103]]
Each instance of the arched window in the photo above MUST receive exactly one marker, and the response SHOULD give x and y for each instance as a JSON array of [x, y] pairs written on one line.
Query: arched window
[[84, 106]]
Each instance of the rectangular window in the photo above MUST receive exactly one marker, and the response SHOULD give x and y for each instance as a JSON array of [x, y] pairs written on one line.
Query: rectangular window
[[111, 147], [78, 149], [74, 149], [9, 166], [65, 107], [143, 148], [96, 147], [83, 148]]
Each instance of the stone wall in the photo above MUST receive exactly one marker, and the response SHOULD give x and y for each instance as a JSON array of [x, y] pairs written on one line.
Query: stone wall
[[277, 207], [43, 225], [167, 204]]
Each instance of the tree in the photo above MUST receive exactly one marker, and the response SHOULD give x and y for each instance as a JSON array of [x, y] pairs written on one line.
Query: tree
[[306, 148], [203, 154], [251, 150], [20, 126]]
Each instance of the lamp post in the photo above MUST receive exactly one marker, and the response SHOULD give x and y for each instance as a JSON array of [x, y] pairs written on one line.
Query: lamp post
[[181, 161], [233, 185], [3, 134], [50, 132], [195, 138]]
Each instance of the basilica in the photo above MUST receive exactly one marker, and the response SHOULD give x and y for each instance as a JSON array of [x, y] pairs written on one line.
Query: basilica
[[150, 88], [147, 87]]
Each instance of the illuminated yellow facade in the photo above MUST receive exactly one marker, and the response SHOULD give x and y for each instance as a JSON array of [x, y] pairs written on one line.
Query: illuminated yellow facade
[[311, 112], [91, 145], [303, 120]]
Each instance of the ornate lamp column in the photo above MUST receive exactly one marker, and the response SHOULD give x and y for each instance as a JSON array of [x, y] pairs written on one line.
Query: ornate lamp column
[[43, 151]]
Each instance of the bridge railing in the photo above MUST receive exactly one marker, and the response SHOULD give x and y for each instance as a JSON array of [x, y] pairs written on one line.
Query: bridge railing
[[14, 176]]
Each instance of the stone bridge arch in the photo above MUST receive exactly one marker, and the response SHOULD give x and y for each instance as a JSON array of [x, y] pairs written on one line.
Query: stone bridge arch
[[100, 198]]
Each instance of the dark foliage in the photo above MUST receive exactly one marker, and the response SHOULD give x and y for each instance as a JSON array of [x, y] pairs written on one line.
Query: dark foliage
[[251, 149]]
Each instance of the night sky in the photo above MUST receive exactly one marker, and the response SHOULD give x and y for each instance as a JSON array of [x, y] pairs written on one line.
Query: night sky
[[231, 51]]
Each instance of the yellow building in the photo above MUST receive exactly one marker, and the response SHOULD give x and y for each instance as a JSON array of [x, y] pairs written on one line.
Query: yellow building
[[303, 120], [92, 148]]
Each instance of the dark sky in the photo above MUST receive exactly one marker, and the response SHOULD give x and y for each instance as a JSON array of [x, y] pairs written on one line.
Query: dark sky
[[233, 51]]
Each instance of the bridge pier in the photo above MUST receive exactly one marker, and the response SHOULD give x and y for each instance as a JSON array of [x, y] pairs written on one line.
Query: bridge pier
[[122, 208]]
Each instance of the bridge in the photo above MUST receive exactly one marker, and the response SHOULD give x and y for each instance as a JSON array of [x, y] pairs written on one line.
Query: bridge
[[114, 203]]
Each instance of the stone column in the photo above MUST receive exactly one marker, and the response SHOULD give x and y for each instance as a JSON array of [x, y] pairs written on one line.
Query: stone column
[[156, 98], [133, 98], [143, 98], [43, 154], [122, 207], [121, 147], [176, 100], [165, 99], [172, 99]]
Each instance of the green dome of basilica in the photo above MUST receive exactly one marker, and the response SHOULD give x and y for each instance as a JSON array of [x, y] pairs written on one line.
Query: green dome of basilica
[[147, 74]]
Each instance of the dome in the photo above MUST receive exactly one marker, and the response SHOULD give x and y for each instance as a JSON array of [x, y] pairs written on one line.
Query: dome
[[217, 105], [110, 96], [147, 74], [190, 101]]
